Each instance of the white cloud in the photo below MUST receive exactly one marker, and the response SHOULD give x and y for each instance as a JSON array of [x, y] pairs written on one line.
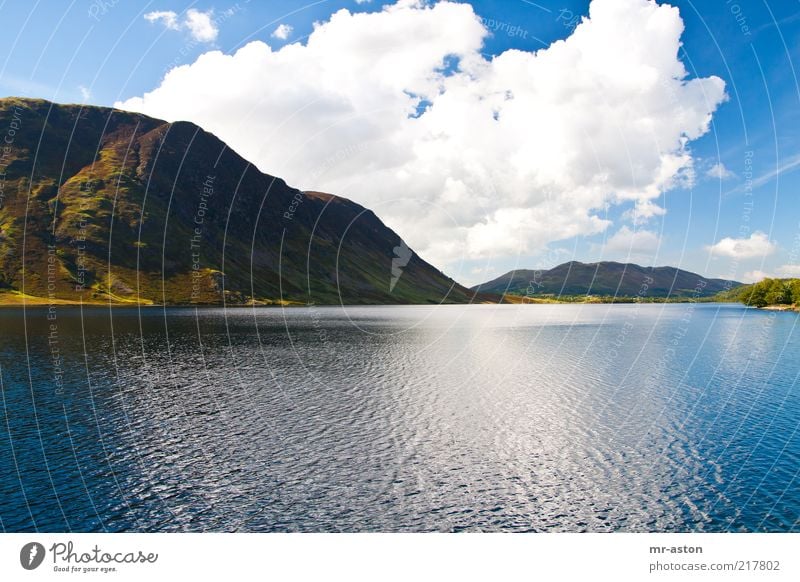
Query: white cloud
[[719, 171], [200, 25], [782, 272], [788, 271], [86, 94], [282, 32], [754, 276], [758, 245], [465, 156], [786, 165], [643, 211], [167, 17], [633, 242]]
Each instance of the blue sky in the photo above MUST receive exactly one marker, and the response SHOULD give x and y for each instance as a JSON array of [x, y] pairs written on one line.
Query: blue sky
[[103, 52]]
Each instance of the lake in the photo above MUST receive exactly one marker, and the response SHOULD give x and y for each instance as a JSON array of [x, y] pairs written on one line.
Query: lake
[[676, 417]]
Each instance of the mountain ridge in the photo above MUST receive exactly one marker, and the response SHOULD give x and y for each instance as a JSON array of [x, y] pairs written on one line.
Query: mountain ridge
[[103, 205], [605, 278]]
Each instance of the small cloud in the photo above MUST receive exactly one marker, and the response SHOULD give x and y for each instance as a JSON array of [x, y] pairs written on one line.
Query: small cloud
[[85, 93], [643, 211], [363, 1], [788, 165], [167, 17], [633, 242], [758, 245], [200, 25], [478, 274], [282, 32], [788, 271], [754, 276], [719, 171], [782, 272]]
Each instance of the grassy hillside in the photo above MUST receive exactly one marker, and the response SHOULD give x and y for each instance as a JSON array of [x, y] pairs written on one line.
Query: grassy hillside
[[104, 205]]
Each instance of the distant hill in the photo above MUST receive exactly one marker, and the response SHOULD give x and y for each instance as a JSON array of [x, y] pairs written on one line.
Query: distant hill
[[99, 204], [606, 279]]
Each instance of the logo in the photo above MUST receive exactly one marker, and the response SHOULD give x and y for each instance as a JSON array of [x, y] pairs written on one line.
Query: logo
[[402, 254], [31, 555]]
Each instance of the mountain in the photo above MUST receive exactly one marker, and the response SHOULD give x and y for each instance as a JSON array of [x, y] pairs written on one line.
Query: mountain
[[606, 279], [98, 204]]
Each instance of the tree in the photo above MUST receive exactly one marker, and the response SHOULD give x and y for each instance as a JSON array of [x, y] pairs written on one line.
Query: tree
[[755, 295], [794, 290], [777, 293]]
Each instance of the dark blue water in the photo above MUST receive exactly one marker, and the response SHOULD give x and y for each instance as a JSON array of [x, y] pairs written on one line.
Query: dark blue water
[[485, 418]]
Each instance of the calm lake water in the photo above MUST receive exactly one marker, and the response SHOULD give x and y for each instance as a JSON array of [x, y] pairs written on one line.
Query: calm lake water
[[679, 417]]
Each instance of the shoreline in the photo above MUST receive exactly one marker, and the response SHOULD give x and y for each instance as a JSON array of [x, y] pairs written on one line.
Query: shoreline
[[10, 299], [16, 299], [780, 308]]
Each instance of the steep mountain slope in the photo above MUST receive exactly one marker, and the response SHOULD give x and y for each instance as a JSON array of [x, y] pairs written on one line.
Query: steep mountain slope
[[606, 279], [98, 204]]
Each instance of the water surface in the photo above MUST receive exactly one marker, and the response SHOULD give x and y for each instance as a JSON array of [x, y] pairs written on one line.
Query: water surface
[[680, 417]]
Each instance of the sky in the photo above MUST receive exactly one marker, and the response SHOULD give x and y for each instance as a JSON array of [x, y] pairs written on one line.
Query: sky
[[491, 135]]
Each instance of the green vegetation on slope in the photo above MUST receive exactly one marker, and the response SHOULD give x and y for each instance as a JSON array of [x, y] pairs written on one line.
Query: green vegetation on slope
[[768, 292], [104, 205]]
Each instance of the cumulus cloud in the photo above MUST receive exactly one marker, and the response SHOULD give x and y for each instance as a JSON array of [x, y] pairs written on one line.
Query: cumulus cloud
[[166, 17], [719, 171], [466, 156], [199, 24], [754, 276], [788, 271], [782, 272], [757, 245], [282, 32], [633, 242]]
